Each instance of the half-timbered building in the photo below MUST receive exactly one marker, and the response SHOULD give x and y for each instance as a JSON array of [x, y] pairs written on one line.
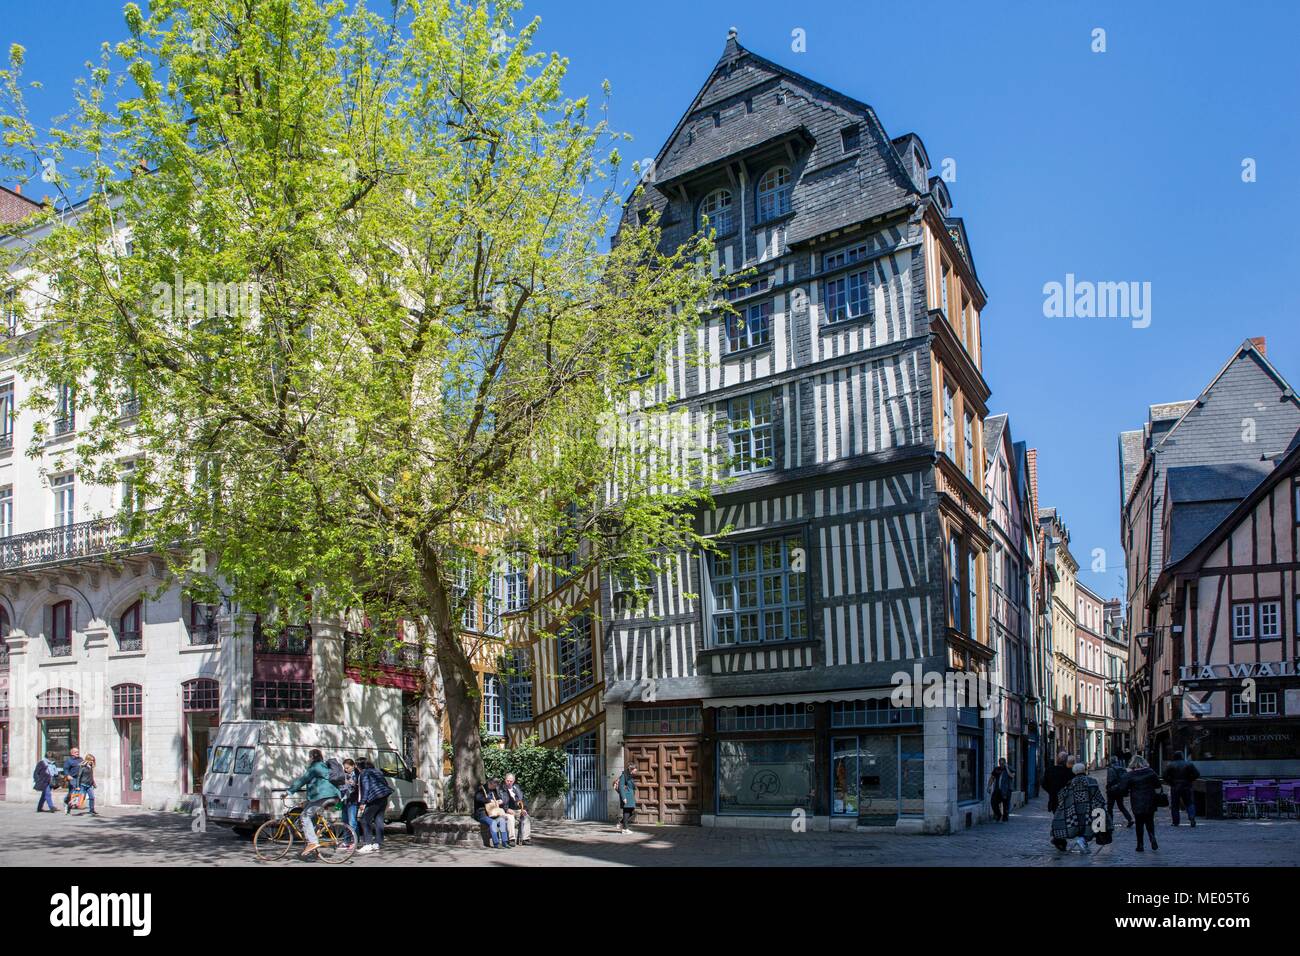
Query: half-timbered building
[[1225, 645], [848, 403], [1246, 416]]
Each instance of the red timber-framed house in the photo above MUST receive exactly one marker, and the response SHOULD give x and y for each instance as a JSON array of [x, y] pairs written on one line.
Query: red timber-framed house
[[1011, 602], [852, 538], [1234, 431]]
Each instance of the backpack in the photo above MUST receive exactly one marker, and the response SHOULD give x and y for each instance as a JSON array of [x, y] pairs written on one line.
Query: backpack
[[337, 777]]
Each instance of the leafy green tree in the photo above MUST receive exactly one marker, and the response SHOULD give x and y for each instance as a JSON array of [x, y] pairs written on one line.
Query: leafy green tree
[[350, 271]]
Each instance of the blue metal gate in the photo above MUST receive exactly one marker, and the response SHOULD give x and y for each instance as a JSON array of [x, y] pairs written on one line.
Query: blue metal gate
[[585, 798]]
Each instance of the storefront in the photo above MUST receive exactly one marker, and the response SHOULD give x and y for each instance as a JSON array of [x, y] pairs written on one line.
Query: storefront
[[1237, 748], [201, 705], [877, 773], [58, 721], [128, 713], [764, 760]]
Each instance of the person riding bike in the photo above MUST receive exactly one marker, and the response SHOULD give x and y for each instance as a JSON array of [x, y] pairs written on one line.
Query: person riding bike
[[320, 793]]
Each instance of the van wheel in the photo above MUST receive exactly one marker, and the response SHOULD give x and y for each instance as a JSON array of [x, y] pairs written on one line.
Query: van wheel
[[410, 814]]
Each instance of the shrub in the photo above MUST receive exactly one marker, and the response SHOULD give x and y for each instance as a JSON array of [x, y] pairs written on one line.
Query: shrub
[[540, 771]]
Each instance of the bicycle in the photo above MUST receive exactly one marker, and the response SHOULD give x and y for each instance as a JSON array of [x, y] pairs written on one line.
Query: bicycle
[[336, 841]]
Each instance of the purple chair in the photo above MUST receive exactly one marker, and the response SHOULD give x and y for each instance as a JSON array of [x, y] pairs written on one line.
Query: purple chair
[[1236, 799], [1265, 798], [1286, 797]]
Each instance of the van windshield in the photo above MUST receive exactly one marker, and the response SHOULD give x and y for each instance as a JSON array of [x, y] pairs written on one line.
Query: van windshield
[[390, 764], [221, 758]]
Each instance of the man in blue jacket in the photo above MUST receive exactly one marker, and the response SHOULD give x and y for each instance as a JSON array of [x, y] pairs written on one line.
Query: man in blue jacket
[[320, 792], [71, 770]]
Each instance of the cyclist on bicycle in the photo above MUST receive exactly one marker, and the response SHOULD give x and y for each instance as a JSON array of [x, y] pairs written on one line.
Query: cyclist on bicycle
[[320, 792]]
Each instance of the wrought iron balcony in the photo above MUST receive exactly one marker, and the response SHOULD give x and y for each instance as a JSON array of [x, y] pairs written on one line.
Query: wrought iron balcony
[[204, 634], [130, 641], [61, 648], [293, 640], [4, 656], [368, 650], [72, 542], [7, 442], [129, 408], [65, 424]]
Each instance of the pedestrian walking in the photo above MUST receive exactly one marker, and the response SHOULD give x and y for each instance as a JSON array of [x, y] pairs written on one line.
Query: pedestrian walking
[[1075, 822], [86, 783], [350, 793], [1180, 775], [1143, 789], [374, 792], [71, 770], [1114, 792], [625, 785], [43, 781], [320, 793], [1000, 786], [1055, 780]]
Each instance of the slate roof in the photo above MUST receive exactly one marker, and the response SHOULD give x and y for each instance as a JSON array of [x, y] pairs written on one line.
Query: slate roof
[[1200, 497], [993, 426]]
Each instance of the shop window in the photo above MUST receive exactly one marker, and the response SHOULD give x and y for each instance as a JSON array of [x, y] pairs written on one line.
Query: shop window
[[765, 777], [765, 717], [200, 694], [661, 721], [872, 713], [969, 747]]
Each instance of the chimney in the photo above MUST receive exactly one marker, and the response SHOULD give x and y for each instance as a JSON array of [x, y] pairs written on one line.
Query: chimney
[[1260, 343], [1031, 465], [18, 189]]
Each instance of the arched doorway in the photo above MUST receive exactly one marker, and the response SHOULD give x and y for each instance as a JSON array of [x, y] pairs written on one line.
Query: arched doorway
[[128, 715], [58, 723], [201, 706]]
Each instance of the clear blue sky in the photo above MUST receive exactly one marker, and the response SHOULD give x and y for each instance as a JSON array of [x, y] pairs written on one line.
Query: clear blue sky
[[1123, 165]]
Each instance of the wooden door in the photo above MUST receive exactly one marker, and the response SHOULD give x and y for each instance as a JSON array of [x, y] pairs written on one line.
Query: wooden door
[[667, 780]]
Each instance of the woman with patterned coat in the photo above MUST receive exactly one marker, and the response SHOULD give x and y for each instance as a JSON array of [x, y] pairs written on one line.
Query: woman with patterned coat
[[1075, 811]]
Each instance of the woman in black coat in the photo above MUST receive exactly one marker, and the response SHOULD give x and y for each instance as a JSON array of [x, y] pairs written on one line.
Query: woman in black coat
[[1141, 785]]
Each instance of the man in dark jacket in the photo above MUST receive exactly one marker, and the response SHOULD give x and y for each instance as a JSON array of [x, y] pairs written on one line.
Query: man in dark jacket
[[1114, 787], [43, 781], [999, 786], [1055, 779], [71, 771], [1180, 775]]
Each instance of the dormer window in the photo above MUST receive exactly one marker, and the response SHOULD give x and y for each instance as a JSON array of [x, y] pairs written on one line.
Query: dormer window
[[719, 210], [851, 137], [773, 193]]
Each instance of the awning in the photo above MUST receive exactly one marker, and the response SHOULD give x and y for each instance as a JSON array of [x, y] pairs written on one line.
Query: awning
[[817, 697]]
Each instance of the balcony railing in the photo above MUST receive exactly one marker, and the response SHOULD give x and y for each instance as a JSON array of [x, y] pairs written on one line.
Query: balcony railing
[[293, 640], [130, 641], [7, 442], [65, 424], [367, 650], [66, 543], [61, 648], [129, 408], [203, 634], [4, 656]]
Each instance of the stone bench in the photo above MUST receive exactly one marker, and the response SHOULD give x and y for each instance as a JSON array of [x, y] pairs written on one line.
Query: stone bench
[[448, 828]]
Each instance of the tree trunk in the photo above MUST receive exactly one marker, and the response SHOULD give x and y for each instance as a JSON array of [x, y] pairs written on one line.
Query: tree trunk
[[460, 685], [460, 688]]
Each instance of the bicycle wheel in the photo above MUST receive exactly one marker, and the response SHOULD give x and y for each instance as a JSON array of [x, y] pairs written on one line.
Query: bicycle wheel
[[338, 842], [272, 840]]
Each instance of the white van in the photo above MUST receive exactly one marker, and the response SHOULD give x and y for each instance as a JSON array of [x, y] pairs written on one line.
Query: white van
[[253, 758]]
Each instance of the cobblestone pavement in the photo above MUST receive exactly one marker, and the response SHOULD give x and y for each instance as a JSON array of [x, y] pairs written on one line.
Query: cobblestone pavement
[[132, 837]]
